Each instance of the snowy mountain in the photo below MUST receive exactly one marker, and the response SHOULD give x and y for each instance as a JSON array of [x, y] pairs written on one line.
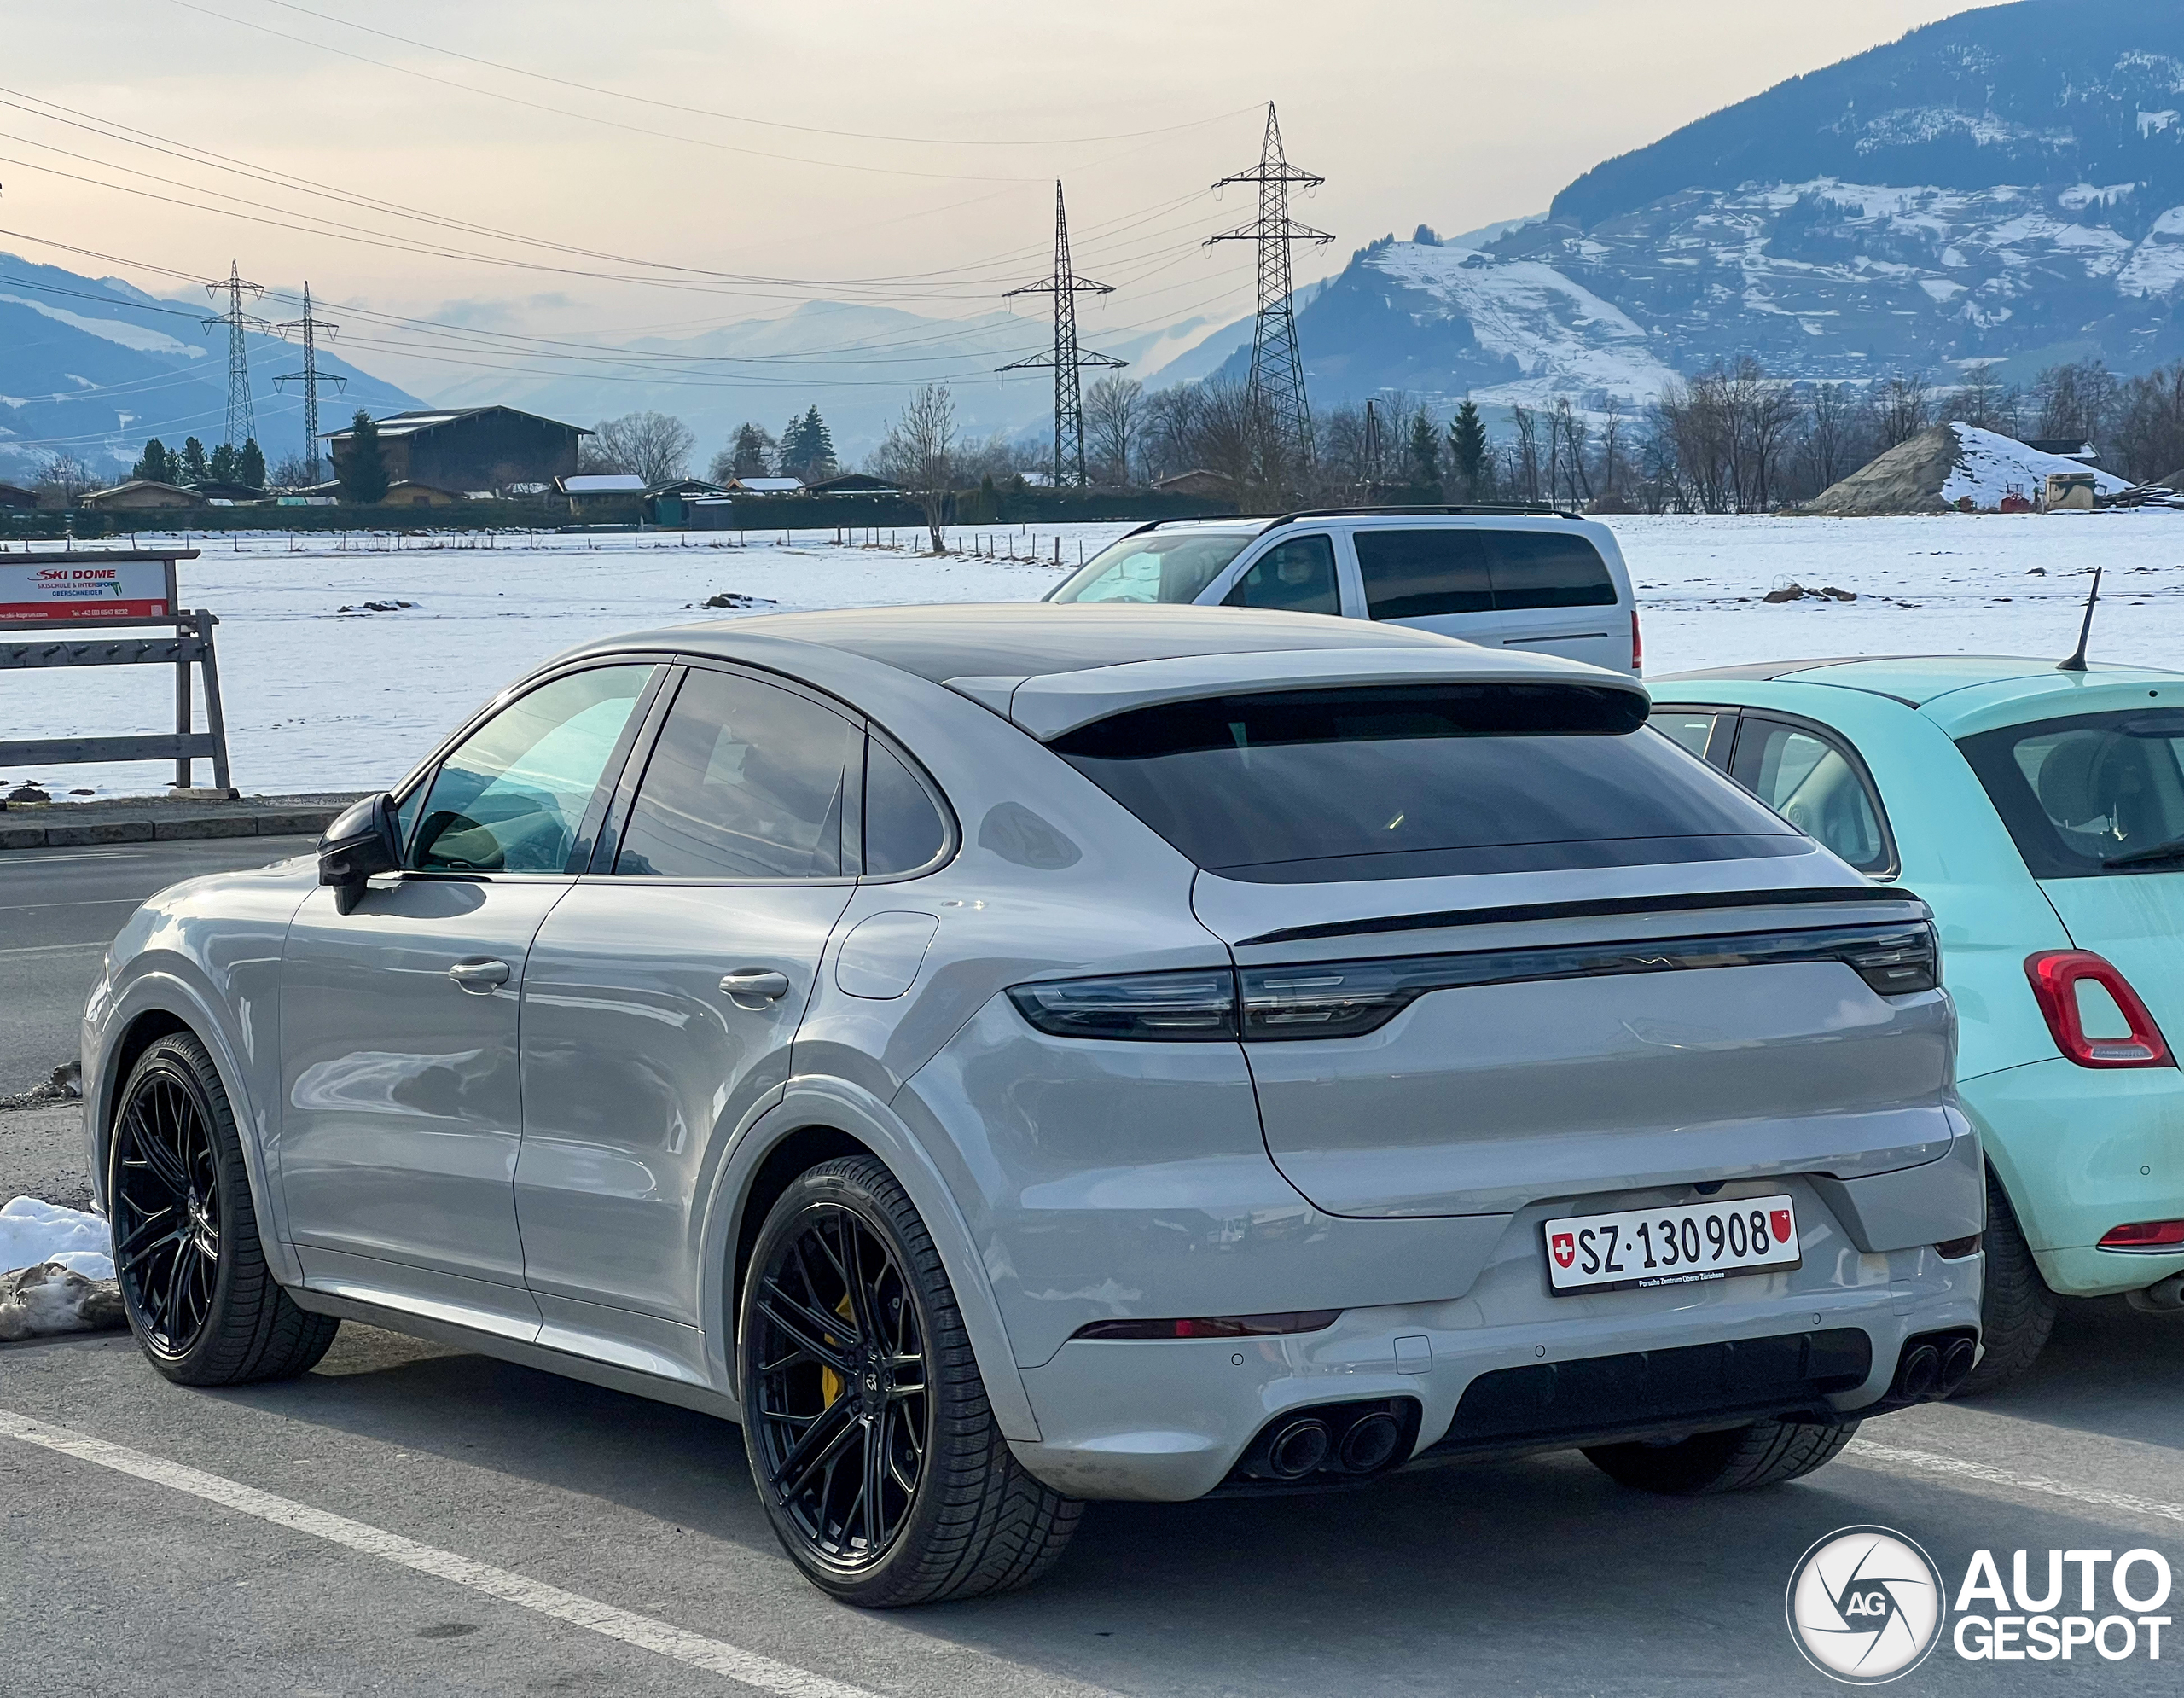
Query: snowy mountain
[[2005, 186], [858, 364], [91, 367]]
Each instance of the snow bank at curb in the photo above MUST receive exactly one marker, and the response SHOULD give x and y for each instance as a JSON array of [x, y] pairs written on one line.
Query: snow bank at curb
[[33, 1232]]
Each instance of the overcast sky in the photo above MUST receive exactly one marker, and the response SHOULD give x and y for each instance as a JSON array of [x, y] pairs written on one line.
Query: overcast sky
[[1453, 113]]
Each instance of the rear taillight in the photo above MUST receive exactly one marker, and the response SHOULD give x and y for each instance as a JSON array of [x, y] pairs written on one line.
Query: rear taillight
[[1637, 644], [2065, 980], [2145, 1234], [1183, 1008]]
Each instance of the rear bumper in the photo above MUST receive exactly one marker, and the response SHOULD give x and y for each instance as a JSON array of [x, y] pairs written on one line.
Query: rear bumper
[[2080, 1150], [1167, 1420]]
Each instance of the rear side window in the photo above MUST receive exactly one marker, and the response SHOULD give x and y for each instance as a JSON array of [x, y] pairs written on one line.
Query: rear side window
[[1174, 568], [1690, 727], [1304, 786], [902, 828], [1469, 569], [746, 782], [1297, 577], [2093, 794], [1813, 784]]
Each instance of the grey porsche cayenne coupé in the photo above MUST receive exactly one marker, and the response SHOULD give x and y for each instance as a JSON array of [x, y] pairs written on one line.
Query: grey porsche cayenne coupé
[[1004, 1056]]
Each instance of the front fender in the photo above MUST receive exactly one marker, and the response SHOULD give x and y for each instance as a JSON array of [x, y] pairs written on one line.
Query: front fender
[[811, 1101], [163, 982]]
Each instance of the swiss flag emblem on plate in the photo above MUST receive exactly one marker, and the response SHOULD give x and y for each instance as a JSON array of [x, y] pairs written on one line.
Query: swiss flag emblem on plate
[[1565, 1247], [1779, 1221]]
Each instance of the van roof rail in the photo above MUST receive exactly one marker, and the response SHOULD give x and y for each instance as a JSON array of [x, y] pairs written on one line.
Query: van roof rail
[[1511, 509]]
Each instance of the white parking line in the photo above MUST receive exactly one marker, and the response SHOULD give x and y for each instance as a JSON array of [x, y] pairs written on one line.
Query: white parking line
[[50, 949], [1925, 1462], [714, 1655]]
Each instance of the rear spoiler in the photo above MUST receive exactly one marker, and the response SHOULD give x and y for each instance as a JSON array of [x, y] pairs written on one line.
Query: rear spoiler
[[1055, 704]]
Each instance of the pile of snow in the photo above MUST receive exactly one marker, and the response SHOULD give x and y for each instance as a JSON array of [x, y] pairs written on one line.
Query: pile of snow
[[52, 1299], [1989, 466], [1946, 464], [33, 1233]]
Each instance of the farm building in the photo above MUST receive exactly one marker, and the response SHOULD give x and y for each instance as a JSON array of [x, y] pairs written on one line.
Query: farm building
[[141, 494], [468, 448]]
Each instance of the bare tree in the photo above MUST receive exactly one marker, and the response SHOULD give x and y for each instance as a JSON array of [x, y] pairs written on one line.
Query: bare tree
[[1611, 464], [1114, 409], [918, 456], [63, 475], [1525, 465], [1837, 431], [656, 446], [2078, 400], [1902, 407], [2148, 431]]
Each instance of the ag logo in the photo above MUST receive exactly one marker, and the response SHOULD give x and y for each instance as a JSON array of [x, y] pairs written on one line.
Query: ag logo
[[1865, 1605]]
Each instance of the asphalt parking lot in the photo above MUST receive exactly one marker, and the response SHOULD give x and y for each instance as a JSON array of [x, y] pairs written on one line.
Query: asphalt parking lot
[[60, 908], [1538, 1575], [412, 1519]]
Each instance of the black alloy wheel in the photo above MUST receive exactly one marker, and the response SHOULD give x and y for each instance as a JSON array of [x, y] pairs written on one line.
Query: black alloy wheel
[[204, 1306], [167, 1211], [874, 1450], [844, 1413]]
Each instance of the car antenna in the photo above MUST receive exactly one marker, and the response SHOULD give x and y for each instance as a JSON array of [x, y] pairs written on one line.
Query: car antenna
[[2077, 662]]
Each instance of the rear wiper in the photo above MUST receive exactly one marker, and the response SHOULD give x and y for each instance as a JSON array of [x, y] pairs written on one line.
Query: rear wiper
[[2171, 851]]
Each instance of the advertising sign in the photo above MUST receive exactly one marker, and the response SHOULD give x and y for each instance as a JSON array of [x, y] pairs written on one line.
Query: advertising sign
[[62, 591]]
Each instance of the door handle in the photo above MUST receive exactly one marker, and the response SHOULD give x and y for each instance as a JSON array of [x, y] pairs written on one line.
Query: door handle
[[753, 987], [478, 977]]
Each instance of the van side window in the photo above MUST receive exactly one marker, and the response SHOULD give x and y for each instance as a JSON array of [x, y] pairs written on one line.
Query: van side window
[[1413, 574], [1297, 577], [1471, 569]]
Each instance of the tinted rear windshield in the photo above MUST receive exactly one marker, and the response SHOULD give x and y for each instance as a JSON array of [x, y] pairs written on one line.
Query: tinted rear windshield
[[1468, 569], [1309, 787], [2090, 795]]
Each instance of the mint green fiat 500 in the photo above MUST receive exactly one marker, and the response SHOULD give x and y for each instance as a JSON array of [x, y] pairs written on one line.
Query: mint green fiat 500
[[2040, 812]]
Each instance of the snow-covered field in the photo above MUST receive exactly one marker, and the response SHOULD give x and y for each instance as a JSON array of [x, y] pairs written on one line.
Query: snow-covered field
[[321, 700]]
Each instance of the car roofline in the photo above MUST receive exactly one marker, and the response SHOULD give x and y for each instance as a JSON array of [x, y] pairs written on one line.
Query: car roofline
[[1792, 672], [1513, 509]]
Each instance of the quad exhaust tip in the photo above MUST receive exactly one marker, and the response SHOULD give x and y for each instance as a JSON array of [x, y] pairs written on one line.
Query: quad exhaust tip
[[1933, 1367], [1328, 1444], [1297, 1448]]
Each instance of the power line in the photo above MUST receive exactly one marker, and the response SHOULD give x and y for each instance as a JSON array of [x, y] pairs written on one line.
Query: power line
[[1275, 394], [242, 419], [737, 117], [1067, 359], [308, 328]]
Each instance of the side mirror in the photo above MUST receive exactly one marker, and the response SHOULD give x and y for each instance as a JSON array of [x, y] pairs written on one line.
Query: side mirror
[[360, 843]]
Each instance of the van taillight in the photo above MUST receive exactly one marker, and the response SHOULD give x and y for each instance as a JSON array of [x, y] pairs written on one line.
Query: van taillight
[[2056, 975], [1637, 644]]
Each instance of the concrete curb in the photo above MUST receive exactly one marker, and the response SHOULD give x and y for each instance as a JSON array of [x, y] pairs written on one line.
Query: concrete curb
[[286, 823]]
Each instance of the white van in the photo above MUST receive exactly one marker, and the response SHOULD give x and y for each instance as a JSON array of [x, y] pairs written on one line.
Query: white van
[[1503, 577]]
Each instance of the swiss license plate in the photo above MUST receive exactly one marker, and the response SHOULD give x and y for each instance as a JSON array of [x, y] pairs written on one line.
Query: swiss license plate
[[1686, 1244]]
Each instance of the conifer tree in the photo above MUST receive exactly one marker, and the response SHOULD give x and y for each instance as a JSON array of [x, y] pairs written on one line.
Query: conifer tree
[[818, 447], [1468, 451], [193, 468], [221, 468], [250, 465], [1424, 453], [156, 464], [364, 472]]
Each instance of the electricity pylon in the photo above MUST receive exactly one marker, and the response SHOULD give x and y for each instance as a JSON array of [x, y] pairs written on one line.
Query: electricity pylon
[[308, 328], [1275, 394], [1067, 359], [242, 417]]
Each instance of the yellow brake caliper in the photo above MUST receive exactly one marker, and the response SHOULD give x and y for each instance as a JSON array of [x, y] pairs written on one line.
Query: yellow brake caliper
[[831, 1384]]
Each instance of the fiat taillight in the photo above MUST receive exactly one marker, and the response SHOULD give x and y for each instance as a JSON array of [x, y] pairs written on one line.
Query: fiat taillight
[[2069, 984]]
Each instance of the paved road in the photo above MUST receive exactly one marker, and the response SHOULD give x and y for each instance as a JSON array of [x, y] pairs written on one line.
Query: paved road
[[60, 908], [1539, 1576]]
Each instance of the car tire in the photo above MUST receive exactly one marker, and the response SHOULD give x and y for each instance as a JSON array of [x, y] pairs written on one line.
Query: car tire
[[1742, 1459], [204, 1308], [890, 1391], [2017, 1310]]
